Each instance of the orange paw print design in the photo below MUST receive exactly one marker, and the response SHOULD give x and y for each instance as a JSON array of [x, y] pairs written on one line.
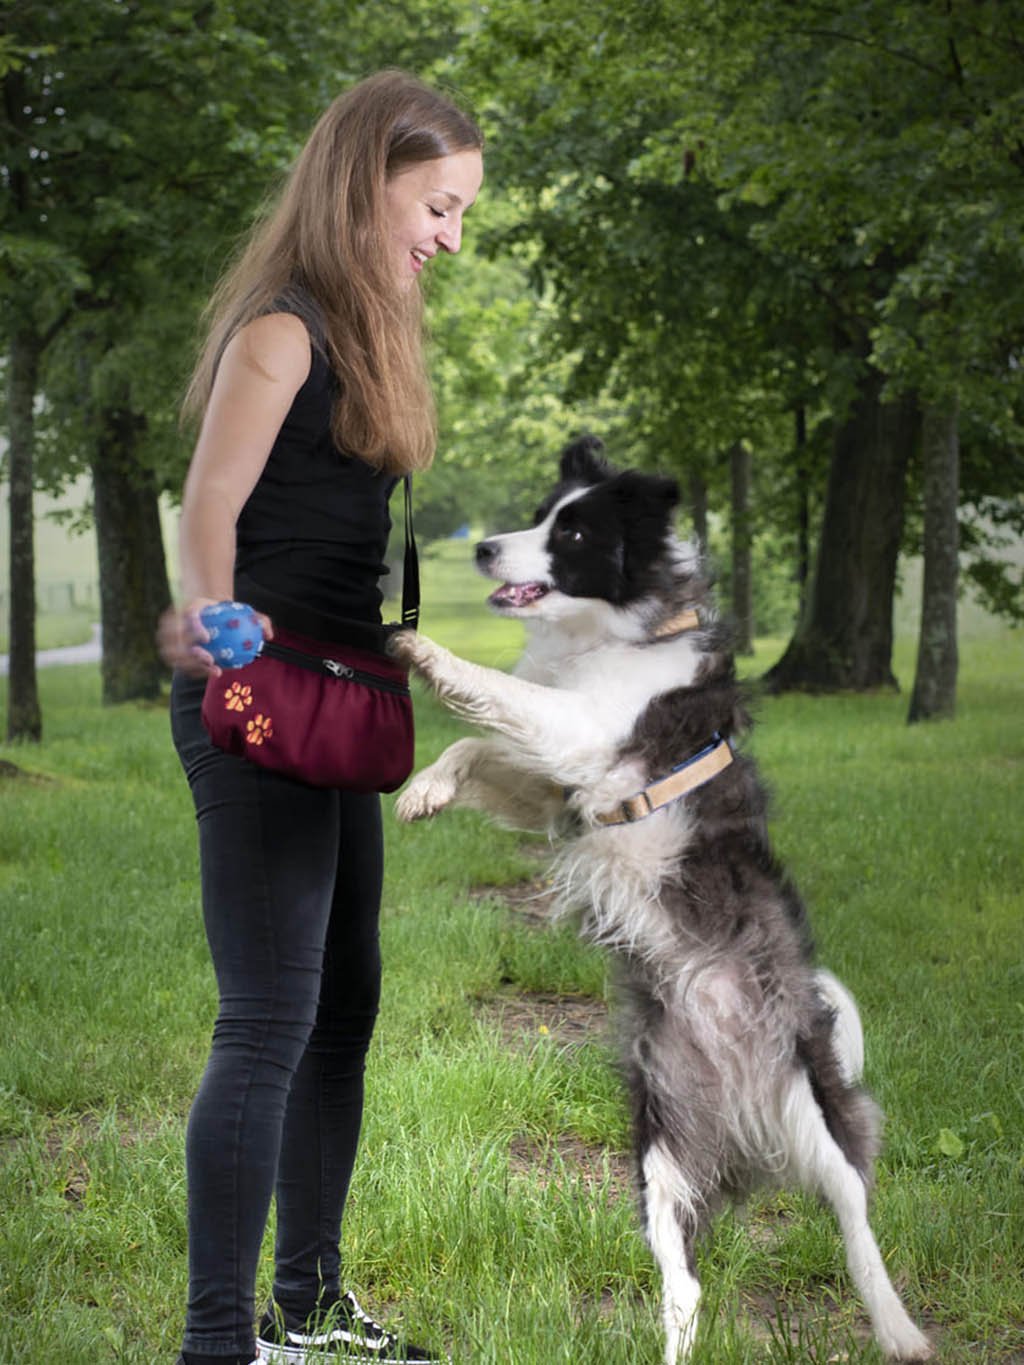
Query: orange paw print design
[[238, 696], [258, 729]]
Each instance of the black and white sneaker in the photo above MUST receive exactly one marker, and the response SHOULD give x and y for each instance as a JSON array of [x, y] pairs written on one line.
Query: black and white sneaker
[[181, 1361], [343, 1334]]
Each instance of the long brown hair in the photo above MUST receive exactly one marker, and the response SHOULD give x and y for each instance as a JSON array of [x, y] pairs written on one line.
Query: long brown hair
[[324, 237]]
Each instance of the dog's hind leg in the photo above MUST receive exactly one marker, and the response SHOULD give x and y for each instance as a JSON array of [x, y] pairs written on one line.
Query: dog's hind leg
[[820, 1164], [670, 1217]]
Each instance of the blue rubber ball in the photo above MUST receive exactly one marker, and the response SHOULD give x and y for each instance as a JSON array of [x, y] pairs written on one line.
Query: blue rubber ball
[[236, 636]]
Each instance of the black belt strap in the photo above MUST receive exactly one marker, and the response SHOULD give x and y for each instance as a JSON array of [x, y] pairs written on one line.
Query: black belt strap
[[411, 566]]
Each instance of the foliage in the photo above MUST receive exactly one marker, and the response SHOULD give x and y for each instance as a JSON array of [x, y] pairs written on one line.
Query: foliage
[[501, 386], [142, 139], [734, 205], [685, 207]]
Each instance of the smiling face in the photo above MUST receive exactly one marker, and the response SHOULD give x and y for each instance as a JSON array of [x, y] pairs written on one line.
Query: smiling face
[[424, 207]]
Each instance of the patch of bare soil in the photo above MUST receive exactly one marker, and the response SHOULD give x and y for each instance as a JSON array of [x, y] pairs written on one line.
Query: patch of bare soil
[[816, 1326], [828, 1329], [551, 1160], [531, 901], [11, 772], [63, 1145], [523, 1017]]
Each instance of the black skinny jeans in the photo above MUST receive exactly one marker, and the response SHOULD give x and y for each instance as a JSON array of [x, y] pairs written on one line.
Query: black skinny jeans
[[291, 882]]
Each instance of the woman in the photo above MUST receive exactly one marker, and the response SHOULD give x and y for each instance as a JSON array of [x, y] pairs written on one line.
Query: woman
[[313, 398]]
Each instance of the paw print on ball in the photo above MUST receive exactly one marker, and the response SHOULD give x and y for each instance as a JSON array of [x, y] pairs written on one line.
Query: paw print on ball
[[258, 729], [234, 631]]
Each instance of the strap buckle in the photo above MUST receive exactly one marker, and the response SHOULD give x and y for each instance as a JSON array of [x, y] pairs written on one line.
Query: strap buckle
[[636, 808]]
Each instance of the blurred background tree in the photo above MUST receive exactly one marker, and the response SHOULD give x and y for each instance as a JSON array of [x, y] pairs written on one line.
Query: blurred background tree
[[773, 249], [754, 209]]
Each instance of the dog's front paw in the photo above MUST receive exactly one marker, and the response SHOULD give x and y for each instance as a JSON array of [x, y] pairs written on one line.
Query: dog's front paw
[[399, 646], [412, 649], [427, 794]]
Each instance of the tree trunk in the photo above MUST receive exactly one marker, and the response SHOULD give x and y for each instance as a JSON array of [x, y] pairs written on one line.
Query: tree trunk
[[934, 692], [742, 577], [133, 571], [24, 718], [803, 510], [844, 636], [698, 493]]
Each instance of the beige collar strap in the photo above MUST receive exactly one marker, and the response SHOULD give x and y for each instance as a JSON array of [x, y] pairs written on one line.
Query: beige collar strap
[[711, 760], [675, 625]]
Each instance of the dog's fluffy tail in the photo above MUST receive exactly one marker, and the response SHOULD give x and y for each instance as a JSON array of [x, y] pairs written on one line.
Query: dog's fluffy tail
[[847, 1034], [832, 1051]]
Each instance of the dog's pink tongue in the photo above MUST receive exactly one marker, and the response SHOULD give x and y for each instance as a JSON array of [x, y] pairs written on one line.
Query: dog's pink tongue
[[516, 594]]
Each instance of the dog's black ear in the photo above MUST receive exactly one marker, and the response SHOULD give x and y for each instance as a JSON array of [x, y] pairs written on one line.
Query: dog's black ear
[[581, 461], [647, 502], [654, 494]]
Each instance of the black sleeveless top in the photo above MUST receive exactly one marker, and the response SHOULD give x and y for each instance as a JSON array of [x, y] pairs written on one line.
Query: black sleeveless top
[[314, 531]]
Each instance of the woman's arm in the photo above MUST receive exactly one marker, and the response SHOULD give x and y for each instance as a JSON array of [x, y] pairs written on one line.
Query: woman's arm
[[260, 372]]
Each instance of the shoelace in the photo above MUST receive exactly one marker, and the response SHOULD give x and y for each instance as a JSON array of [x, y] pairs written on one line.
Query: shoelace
[[375, 1328]]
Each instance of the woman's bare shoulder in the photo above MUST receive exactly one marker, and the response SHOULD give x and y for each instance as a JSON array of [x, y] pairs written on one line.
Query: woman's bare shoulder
[[276, 346]]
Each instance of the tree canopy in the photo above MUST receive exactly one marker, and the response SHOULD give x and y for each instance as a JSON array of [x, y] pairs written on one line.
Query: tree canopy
[[706, 230], [717, 193]]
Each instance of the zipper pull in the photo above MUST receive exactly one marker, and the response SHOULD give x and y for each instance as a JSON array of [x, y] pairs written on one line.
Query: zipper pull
[[339, 670]]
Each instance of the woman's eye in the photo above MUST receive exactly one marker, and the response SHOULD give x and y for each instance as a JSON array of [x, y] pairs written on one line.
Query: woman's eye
[[438, 213]]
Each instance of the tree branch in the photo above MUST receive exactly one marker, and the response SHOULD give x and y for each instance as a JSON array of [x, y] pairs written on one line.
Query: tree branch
[[837, 35]]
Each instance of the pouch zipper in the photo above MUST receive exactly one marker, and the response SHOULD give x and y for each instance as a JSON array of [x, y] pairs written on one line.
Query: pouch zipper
[[332, 667]]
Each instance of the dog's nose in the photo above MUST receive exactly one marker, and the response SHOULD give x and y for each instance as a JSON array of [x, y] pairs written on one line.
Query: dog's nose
[[486, 553]]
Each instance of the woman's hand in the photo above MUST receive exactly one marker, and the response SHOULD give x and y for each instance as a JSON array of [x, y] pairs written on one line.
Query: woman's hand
[[181, 636]]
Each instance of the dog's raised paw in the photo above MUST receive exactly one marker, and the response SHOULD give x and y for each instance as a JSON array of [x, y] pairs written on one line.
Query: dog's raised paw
[[423, 798], [400, 646], [414, 650]]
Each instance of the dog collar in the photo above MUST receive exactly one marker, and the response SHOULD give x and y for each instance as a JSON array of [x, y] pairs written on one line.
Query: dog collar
[[687, 777], [675, 625]]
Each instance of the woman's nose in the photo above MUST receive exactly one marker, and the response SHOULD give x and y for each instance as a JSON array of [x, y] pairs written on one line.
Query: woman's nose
[[450, 236]]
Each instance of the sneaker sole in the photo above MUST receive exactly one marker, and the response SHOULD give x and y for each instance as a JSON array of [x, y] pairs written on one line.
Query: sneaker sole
[[269, 1353]]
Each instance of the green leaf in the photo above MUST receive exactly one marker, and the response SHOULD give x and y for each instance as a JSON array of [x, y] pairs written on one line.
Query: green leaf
[[948, 1144]]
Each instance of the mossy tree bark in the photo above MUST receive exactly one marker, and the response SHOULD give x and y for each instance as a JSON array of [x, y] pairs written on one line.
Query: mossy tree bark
[[843, 639], [133, 571], [742, 572], [934, 693], [24, 717]]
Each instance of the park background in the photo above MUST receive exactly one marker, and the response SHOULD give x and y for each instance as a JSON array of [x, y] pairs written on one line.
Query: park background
[[774, 250]]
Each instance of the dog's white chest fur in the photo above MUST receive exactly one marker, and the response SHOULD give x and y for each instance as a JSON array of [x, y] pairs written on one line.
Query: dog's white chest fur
[[612, 877], [608, 683]]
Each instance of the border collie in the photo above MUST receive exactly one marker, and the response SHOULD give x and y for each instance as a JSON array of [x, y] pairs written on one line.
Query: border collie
[[615, 735]]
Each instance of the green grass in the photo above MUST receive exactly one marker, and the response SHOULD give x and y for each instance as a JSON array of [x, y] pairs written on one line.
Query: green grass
[[907, 842]]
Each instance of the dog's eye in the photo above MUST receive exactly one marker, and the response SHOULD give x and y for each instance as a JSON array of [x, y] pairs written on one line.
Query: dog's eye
[[572, 534]]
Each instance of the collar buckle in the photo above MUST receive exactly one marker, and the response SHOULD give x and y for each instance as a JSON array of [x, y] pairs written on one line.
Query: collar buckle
[[687, 777], [636, 808]]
